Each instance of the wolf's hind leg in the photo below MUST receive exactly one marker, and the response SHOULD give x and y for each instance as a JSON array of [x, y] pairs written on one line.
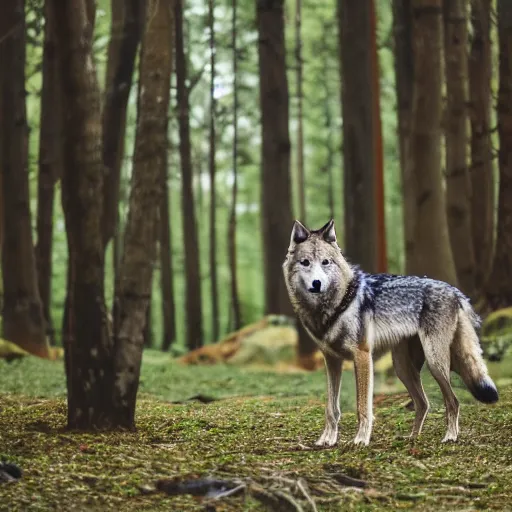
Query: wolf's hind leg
[[408, 359], [437, 354], [333, 367]]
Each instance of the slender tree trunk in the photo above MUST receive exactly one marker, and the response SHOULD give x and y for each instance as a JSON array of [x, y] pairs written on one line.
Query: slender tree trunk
[[276, 206], [50, 167], [329, 163], [23, 320], [301, 181], [482, 172], [432, 252], [404, 78], [148, 328], [359, 159], [87, 341], [166, 266], [458, 185], [382, 260], [193, 306], [126, 27], [142, 228], [499, 286], [212, 165], [235, 299]]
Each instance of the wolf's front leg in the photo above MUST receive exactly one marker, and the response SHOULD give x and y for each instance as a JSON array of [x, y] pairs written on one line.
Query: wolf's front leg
[[333, 367], [363, 366]]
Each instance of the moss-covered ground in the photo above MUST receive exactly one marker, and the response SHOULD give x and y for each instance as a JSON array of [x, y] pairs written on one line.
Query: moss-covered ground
[[259, 431]]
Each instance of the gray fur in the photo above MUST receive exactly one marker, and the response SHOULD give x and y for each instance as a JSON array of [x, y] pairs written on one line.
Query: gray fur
[[358, 316]]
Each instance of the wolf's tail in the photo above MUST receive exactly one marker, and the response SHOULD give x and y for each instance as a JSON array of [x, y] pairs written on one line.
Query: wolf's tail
[[466, 356]]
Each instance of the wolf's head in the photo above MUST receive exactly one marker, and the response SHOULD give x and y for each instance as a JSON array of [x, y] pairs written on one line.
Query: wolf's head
[[315, 269]]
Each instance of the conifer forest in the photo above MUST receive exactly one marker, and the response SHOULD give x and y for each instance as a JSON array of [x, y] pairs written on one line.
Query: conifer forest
[[154, 155]]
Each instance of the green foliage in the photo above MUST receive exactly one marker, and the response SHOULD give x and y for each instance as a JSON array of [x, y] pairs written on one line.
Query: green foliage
[[323, 144]]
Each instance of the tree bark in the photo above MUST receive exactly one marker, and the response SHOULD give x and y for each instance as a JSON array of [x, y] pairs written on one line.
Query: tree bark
[[87, 341], [193, 308], [213, 192], [482, 168], [126, 28], [166, 266], [382, 260], [301, 181], [232, 253], [142, 228], [404, 78], [432, 252], [50, 166], [499, 286], [276, 207], [359, 159], [458, 184], [23, 319]]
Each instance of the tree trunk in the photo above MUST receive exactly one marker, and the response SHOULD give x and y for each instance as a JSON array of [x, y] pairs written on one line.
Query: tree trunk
[[301, 182], [482, 169], [432, 253], [193, 306], [87, 341], [23, 319], [212, 166], [499, 286], [50, 167], [126, 27], [359, 159], [235, 299], [329, 162], [382, 260], [276, 207], [142, 229], [148, 327], [166, 266], [458, 191], [404, 78]]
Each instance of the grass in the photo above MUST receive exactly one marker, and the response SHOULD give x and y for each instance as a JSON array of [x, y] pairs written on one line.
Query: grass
[[261, 431]]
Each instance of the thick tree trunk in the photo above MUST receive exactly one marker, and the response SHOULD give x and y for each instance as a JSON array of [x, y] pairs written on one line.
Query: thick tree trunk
[[404, 78], [499, 286], [87, 341], [142, 228], [166, 266], [276, 206], [235, 299], [126, 27], [301, 180], [458, 184], [148, 327], [50, 166], [482, 169], [193, 307], [213, 192], [359, 159], [432, 252], [23, 319]]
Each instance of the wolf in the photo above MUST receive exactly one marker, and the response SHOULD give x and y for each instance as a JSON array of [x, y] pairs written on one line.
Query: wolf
[[353, 315]]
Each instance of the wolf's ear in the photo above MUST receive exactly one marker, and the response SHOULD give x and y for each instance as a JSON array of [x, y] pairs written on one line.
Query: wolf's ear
[[299, 233], [328, 233]]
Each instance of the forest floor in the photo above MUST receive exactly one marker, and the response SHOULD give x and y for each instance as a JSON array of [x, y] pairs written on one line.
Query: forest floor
[[255, 430]]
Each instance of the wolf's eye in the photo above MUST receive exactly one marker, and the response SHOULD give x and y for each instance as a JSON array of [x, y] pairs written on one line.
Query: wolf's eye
[[325, 262], [305, 263]]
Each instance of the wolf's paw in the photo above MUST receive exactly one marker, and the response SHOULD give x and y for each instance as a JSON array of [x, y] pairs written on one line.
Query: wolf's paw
[[328, 438], [450, 437], [360, 441]]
